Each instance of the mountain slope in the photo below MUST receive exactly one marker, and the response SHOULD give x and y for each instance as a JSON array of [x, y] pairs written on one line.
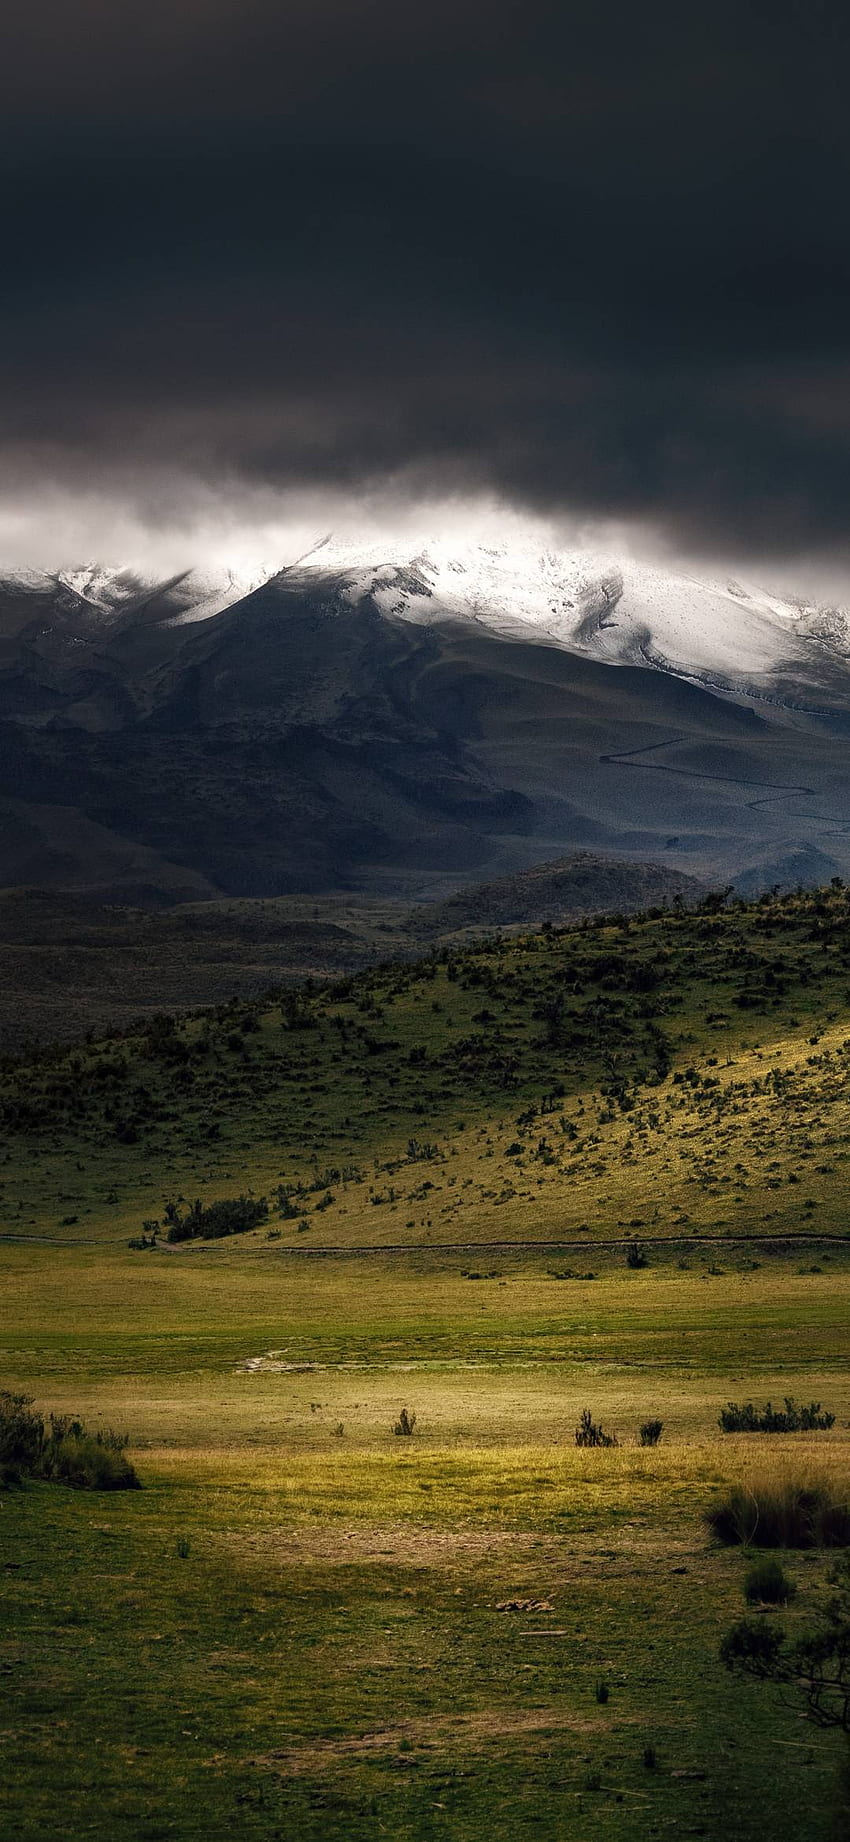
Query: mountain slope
[[733, 636], [378, 728]]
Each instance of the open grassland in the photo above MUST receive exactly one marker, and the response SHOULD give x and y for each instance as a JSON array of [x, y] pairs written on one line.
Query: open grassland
[[667, 1074], [297, 1629]]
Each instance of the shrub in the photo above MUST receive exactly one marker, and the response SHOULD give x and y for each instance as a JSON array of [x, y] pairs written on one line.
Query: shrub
[[768, 1419], [64, 1454], [767, 1583], [86, 1464], [405, 1423], [21, 1437], [602, 1692], [87, 1461], [816, 1662], [651, 1432], [752, 1646], [590, 1433], [211, 1221], [782, 1515], [635, 1256]]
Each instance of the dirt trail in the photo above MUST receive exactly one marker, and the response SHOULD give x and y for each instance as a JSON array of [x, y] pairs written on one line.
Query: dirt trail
[[585, 1245], [776, 789]]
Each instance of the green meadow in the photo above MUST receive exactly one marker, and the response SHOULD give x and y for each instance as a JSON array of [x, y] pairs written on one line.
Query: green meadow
[[306, 1625]]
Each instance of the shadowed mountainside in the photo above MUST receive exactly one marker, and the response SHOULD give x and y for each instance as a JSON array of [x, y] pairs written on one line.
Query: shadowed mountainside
[[301, 742], [68, 964]]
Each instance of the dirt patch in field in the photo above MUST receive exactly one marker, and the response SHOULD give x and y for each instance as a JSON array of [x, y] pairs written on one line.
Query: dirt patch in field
[[276, 1362], [403, 1544], [557, 1558], [461, 1732]]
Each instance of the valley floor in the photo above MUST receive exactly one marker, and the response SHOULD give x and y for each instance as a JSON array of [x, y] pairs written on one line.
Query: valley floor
[[301, 1630]]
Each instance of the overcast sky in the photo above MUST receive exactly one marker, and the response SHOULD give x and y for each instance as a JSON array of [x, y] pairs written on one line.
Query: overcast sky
[[274, 260]]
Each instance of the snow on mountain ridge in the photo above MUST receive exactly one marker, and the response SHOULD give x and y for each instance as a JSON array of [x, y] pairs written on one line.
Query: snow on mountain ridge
[[210, 592], [112, 592], [731, 635], [614, 608], [103, 588]]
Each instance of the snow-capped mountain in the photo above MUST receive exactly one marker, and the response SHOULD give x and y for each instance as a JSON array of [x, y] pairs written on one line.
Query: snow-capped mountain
[[412, 717], [729, 634], [736, 637], [106, 590]]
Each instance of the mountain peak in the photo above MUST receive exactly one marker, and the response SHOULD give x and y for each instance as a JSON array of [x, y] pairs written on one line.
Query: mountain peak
[[726, 633]]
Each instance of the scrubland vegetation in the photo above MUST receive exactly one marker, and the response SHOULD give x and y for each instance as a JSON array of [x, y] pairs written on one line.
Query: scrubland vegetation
[[672, 1074], [62, 1450], [440, 1534]]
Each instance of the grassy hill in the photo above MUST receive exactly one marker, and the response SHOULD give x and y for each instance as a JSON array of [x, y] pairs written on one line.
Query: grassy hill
[[560, 892], [666, 1074]]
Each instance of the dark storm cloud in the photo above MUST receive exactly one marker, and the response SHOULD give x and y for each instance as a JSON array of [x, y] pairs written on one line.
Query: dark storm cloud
[[594, 257]]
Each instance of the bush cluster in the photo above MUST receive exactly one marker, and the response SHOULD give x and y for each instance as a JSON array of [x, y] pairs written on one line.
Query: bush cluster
[[62, 1450], [210, 1221], [589, 1432], [769, 1419], [815, 1662]]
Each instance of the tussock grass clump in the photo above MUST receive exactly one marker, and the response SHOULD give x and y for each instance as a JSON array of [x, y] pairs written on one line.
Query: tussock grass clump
[[782, 1513]]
